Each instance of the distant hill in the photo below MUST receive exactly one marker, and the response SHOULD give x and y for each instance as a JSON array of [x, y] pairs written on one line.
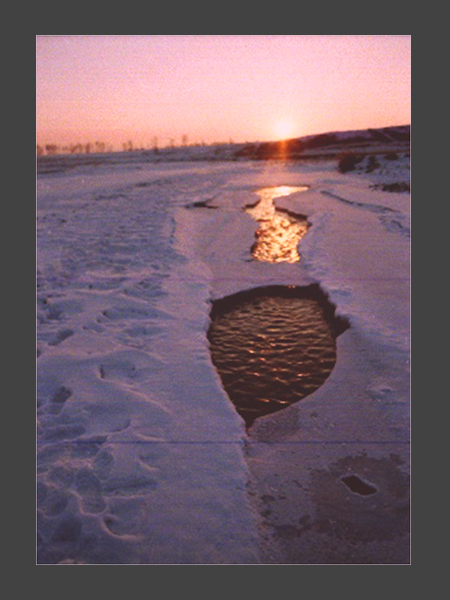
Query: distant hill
[[330, 144]]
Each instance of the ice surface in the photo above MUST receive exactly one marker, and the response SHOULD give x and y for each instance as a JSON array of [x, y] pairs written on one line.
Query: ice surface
[[142, 458]]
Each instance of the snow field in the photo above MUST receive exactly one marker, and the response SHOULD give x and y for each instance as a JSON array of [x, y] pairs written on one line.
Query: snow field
[[141, 456]]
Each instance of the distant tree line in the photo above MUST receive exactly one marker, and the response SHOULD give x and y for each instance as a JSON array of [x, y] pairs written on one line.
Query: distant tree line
[[87, 148], [128, 146]]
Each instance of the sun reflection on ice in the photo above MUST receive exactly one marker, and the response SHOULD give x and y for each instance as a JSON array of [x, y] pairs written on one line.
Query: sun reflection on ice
[[280, 230]]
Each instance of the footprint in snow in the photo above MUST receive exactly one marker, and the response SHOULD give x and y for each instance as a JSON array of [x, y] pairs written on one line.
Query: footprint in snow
[[62, 335], [90, 490]]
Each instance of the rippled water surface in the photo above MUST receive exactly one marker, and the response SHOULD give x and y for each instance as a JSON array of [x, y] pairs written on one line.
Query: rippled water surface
[[273, 346]]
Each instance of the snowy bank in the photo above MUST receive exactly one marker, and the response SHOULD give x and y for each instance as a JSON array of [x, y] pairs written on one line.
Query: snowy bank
[[142, 458]]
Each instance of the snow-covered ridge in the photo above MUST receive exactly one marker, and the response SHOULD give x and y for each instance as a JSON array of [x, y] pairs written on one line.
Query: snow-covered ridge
[[330, 144]]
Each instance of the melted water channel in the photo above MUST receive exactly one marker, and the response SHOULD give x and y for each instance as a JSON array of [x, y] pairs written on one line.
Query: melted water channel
[[280, 230], [273, 346]]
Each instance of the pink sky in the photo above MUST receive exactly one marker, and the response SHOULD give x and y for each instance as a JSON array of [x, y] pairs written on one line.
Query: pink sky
[[216, 88]]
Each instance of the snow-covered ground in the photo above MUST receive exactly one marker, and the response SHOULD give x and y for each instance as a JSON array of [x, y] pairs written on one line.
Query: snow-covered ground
[[142, 458]]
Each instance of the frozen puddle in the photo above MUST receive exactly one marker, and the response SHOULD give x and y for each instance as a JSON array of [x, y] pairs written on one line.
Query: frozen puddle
[[280, 230], [272, 346]]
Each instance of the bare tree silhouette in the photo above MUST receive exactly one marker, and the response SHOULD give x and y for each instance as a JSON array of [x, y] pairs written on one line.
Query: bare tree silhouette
[[51, 148]]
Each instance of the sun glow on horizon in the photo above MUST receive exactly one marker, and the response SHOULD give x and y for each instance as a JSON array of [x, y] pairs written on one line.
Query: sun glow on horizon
[[168, 90], [285, 128]]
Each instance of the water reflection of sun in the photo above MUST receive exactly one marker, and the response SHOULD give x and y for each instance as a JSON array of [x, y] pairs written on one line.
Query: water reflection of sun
[[280, 230]]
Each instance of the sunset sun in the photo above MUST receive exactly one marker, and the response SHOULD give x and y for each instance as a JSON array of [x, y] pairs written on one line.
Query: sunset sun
[[284, 128]]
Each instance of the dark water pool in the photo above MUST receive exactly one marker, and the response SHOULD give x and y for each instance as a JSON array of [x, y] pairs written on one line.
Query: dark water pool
[[273, 346]]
